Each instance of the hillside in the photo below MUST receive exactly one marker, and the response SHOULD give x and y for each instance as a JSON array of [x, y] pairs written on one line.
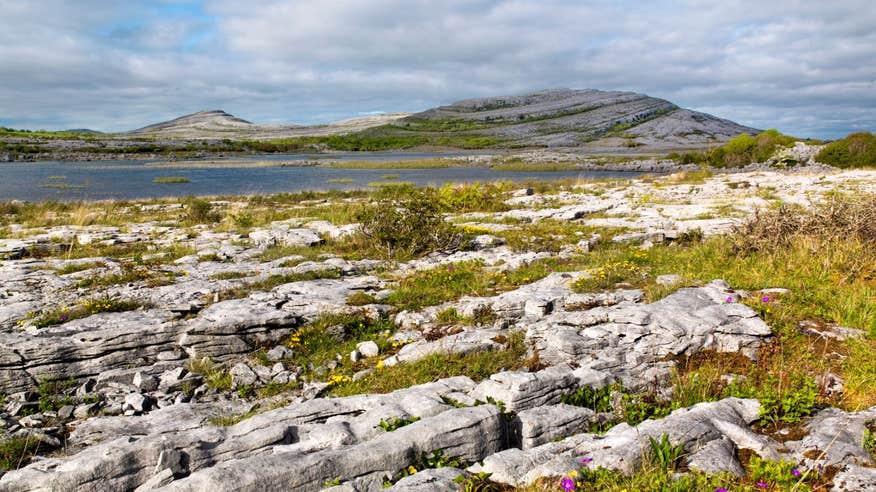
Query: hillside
[[574, 118], [219, 124]]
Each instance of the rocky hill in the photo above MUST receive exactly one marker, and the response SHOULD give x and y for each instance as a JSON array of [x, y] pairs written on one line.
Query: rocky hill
[[219, 124], [577, 118]]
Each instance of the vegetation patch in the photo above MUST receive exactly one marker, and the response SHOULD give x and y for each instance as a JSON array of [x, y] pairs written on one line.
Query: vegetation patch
[[477, 365], [433, 163], [171, 180], [84, 309], [441, 284], [406, 223], [739, 151], [18, 451], [856, 150]]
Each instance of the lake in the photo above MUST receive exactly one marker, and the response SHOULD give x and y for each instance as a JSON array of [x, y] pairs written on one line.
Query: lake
[[101, 180]]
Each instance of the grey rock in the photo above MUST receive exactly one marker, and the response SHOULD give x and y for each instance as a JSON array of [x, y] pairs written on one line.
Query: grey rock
[[157, 481], [279, 352], [621, 447], [855, 478], [368, 349], [540, 425], [66, 412], [745, 438], [451, 431], [84, 411], [431, 480], [524, 390], [137, 402], [145, 382], [718, 456], [263, 372], [242, 375], [835, 438], [668, 280]]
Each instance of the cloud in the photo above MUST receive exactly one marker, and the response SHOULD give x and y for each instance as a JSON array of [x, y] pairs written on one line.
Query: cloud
[[801, 67]]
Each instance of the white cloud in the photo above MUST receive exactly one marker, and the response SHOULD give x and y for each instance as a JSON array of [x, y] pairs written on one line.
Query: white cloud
[[802, 67]]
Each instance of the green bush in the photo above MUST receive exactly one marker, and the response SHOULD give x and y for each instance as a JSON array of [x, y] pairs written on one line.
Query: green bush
[[482, 197], [856, 150], [199, 211], [406, 225], [745, 149], [598, 400]]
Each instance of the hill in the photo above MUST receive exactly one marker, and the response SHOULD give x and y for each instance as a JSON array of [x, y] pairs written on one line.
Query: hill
[[574, 118]]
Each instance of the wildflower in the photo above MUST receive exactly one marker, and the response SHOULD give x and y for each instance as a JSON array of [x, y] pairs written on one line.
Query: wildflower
[[763, 485], [795, 472], [63, 317], [586, 460], [720, 489], [573, 474], [729, 299], [451, 268], [412, 470], [765, 298], [568, 484], [380, 364]]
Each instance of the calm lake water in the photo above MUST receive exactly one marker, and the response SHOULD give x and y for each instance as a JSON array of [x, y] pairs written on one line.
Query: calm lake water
[[71, 181]]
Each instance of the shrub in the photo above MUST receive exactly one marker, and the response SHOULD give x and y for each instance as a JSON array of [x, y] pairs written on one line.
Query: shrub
[[473, 197], [745, 149], [199, 211], [856, 150], [406, 223], [841, 217]]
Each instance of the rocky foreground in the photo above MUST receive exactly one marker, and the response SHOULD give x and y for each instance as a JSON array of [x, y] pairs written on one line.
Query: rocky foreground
[[165, 385]]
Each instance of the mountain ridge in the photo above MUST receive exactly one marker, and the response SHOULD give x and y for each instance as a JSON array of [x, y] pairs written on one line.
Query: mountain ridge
[[552, 118]]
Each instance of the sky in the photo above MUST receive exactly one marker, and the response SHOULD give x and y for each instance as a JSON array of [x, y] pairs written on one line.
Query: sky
[[807, 68]]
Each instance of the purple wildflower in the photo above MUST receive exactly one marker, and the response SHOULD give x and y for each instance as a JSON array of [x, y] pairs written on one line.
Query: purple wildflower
[[63, 317], [765, 298], [729, 299], [586, 460], [451, 268], [720, 489], [763, 485], [568, 484], [795, 472]]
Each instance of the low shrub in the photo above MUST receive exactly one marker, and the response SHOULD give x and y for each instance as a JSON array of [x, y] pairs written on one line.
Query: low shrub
[[406, 223], [856, 150], [745, 149], [840, 217]]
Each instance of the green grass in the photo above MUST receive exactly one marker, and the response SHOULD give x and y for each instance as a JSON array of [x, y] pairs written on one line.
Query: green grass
[[131, 272], [340, 180], [232, 275], [478, 366], [171, 180], [405, 164], [445, 283], [84, 309], [383, 184], [17, 452], [520, 165]]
